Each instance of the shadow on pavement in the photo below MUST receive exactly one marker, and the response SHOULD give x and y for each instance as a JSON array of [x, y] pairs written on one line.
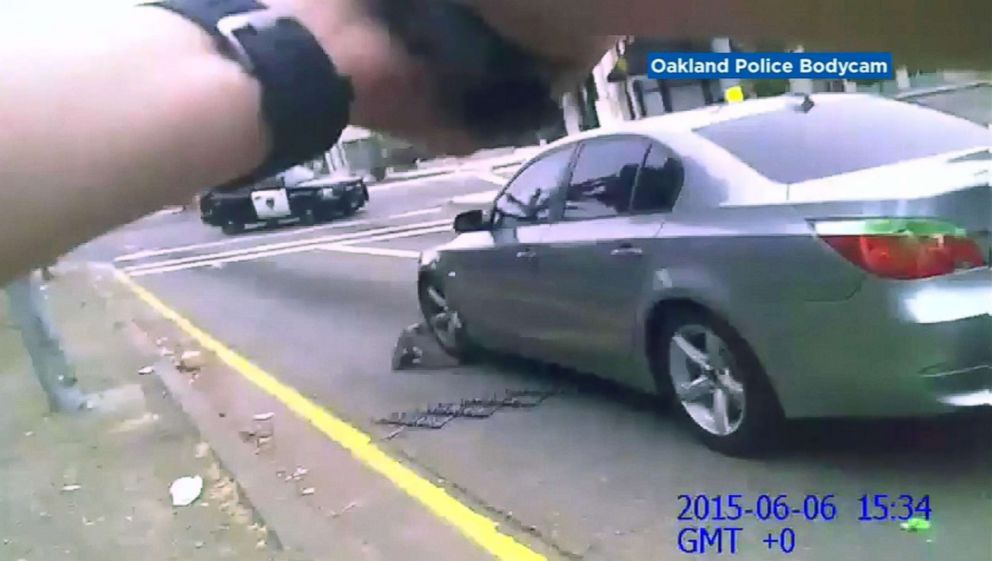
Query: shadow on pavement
[[966, 436]]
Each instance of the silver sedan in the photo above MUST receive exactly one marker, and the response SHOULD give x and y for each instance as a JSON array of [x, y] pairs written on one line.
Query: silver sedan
[[779, 258]]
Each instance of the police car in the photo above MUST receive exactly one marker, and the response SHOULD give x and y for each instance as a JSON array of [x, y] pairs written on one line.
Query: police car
[[295, 195]]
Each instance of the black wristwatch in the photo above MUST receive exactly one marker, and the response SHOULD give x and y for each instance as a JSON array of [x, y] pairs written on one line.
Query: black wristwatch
[[305, 102]]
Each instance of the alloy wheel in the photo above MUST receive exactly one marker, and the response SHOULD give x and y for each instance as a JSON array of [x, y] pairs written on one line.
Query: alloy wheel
[[706, 379]]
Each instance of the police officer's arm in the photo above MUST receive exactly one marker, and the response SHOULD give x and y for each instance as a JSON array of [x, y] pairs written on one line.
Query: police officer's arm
[[107, 114], [106, 117]]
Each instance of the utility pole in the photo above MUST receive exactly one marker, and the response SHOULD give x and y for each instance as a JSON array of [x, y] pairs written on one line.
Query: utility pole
[[27, 308]]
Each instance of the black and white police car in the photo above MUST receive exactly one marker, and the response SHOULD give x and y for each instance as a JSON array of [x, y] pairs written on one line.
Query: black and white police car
[[297, 195]]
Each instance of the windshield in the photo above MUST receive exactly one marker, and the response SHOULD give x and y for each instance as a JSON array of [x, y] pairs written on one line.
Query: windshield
[[972, 103], [296, 175], [838, 137]]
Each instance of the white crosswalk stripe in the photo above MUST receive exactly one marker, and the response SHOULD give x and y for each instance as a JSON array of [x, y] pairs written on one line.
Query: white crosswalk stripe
[[296, 246]]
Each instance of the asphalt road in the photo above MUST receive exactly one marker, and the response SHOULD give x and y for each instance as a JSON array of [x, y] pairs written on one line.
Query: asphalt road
[[595, 471]]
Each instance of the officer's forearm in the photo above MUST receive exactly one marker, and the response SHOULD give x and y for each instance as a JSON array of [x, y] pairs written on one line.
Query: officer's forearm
[[104, 121]]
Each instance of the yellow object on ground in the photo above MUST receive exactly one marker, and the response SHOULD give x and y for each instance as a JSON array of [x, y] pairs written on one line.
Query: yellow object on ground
[[734, 94]]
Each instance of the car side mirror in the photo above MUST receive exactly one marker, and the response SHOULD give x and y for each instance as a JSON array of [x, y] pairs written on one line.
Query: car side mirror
[[471, 221]]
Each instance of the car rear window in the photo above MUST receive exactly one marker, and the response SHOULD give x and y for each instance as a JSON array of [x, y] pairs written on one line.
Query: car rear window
[[837, 137]]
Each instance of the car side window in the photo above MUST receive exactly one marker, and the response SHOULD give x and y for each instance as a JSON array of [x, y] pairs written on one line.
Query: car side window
[[603, 179], [659, 183], [528, 199], [296, 175]]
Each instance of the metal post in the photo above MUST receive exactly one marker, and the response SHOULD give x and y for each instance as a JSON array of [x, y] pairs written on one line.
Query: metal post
[[800, 85], [51, 367], [723, 45]]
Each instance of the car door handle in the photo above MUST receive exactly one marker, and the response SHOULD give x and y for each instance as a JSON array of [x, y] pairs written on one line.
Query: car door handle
[[526, 254], [627, 251]]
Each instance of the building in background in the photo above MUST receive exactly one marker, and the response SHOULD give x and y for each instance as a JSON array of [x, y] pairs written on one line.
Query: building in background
[[364, 152], [618, 88]]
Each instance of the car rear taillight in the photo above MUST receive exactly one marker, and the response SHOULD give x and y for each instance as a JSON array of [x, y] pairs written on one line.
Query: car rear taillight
[[903, 249]]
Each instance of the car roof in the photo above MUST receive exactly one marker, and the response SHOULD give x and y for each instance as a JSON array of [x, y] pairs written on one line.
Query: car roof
[[687, 121]]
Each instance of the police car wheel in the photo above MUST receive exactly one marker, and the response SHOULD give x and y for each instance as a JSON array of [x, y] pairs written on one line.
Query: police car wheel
[[230, 228]]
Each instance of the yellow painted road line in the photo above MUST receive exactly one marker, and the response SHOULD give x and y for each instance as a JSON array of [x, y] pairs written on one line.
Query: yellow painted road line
[[477, 527]]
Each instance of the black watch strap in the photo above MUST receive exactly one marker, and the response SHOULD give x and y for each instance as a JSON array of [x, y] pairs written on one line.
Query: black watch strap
[[305, 102]]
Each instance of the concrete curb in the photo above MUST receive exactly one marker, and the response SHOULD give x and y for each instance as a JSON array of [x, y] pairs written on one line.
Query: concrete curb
[[344, 518], [290, 527]]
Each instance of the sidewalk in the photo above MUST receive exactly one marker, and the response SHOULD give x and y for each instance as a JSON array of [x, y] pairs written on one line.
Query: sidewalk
[[95, 486]]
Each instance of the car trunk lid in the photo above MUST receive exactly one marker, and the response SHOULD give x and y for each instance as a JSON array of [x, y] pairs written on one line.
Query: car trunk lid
[[903, 221], [955, 187], [924, 177]]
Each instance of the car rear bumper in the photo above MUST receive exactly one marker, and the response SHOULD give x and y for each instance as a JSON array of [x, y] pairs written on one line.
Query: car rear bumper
[[894, 348]]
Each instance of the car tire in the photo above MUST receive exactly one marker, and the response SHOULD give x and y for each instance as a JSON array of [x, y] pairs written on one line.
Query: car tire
[[232, 228], [452, 338], [308, 218], [350, 210], [735, 383]]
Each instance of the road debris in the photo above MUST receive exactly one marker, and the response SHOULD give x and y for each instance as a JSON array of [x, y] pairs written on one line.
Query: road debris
[[464, 409], [202, 450], [407, 353], [440, 414], [71, 488], [299, 473], [190, 361], [416, 419], [349, 506], [261, 432], [306, 492], [186, 490], [394, 434], [199, 545], [146, 371], [416, 348]]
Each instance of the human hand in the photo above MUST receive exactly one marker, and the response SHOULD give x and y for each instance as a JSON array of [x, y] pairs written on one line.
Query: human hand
[[437, 78], [427, 98]]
